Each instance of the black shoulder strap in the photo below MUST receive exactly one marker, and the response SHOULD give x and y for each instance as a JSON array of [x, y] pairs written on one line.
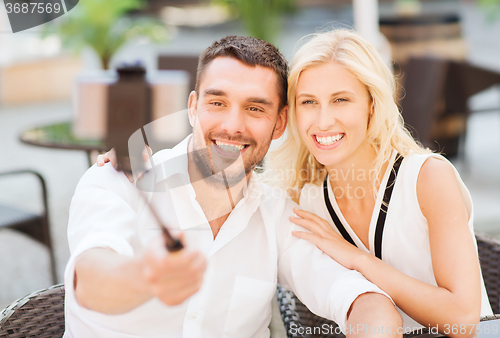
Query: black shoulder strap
[[333, 215], [379, 230]]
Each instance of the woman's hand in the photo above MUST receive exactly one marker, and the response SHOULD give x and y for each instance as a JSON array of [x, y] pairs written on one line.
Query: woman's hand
[[325, 238], [110, 156]]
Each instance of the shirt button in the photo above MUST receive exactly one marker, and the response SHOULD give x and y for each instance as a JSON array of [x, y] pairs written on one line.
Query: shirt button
[[193, 315]]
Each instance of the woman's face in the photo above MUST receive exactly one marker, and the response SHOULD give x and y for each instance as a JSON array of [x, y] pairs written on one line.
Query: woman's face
[[333, 109]]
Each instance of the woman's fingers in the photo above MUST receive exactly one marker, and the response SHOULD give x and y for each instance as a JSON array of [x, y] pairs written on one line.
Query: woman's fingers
[[307, 236], [314, 223], [146, 153], [323, 244], [313, 217], [101, 159], [329, 247], [110, 156], [309, 225]]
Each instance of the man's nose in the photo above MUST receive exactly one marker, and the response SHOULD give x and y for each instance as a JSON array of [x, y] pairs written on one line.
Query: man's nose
[[233, 121]]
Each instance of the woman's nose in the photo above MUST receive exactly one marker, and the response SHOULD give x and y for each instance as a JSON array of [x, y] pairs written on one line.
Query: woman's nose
[[325, 118]]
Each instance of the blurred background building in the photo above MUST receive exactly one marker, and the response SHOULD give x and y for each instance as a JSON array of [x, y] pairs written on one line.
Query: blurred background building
[[52, 79]]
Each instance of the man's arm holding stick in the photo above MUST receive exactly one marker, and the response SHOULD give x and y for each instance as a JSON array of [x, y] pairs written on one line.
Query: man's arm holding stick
[[108, 282]]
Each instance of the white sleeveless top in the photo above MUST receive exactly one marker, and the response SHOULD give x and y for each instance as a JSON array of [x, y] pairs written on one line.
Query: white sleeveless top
[[405, 240]]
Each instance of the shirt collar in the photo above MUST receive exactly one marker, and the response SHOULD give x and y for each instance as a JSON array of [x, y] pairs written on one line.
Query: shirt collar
[[169, 162], [173, 163]]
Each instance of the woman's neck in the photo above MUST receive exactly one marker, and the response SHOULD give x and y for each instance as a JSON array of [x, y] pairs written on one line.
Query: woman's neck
[[352, 179]]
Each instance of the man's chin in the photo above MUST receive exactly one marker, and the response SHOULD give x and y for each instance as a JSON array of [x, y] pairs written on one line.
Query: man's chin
[[225, 179], [220, 172]]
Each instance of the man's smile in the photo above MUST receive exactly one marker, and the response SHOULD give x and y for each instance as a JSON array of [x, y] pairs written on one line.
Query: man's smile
[[229, 148]]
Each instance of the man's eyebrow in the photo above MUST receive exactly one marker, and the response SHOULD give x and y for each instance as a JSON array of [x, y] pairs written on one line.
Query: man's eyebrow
[[260, 100], [215, 92], [218, 92]]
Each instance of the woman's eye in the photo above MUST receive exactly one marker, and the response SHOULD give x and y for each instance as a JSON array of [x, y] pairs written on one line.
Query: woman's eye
[[308, 102], [341, 100]]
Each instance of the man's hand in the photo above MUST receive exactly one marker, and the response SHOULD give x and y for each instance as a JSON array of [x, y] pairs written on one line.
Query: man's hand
[[110, 283], [173, 277]]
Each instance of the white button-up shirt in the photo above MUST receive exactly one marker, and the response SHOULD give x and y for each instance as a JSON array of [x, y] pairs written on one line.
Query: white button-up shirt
[[253, 251]]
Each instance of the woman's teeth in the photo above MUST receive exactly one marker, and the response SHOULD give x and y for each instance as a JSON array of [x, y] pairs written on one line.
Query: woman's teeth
[[230, 148], [329, 140]]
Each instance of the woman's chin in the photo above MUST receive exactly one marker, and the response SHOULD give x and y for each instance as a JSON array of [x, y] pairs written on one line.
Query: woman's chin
[[328, 159]]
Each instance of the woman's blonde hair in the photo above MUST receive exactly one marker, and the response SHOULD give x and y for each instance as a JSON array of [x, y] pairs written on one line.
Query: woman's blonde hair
[[386, 129]]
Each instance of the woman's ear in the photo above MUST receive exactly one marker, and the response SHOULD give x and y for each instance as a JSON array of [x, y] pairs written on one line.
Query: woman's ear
[[370, 113]]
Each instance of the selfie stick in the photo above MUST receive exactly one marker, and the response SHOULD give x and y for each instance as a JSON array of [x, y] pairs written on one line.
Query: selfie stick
[[129, 109]]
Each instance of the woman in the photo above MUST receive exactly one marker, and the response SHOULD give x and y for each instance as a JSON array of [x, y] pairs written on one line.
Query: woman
[[345, 138]]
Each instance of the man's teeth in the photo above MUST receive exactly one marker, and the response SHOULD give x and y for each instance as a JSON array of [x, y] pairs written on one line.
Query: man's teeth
[[230, 148], [329, 140]]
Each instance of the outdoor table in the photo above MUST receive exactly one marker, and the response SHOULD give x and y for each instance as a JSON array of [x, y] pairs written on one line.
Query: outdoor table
[[60, 136]]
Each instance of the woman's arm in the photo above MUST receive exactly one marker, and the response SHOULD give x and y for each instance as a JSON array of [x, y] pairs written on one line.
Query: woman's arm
[[456, 301]]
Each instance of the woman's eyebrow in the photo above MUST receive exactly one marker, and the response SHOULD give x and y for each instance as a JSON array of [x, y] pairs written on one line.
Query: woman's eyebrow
[[342, 92], [304, 94]]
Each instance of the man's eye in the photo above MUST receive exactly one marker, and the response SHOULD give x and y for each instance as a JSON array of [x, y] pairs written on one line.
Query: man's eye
[[217, 104], [255, 109]]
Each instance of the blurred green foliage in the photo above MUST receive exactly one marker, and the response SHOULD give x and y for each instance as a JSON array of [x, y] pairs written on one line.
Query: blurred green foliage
[[262, 18], [105, 26], [491, 7]]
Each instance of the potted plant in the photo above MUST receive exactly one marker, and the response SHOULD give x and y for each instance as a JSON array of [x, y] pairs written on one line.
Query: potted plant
[[103, 26]]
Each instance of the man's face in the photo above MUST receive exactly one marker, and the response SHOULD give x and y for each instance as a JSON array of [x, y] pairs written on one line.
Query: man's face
[[235, 113]]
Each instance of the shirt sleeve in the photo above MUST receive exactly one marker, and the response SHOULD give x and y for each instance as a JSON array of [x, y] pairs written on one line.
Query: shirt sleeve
[[102, 214], [327, 288]]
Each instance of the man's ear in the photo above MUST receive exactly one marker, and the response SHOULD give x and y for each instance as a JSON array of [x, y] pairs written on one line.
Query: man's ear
[[280, 126], [192, 106]]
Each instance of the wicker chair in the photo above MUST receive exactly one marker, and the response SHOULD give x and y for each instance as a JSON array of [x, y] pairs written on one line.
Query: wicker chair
[[295, 314], [40, 314], [489, 256], [34, 225]]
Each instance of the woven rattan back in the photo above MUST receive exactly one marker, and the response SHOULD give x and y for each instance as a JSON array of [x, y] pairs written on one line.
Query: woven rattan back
[[40, 314], [489, 257]]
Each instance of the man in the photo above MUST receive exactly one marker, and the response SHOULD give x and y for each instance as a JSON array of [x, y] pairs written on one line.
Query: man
[[122, 282]]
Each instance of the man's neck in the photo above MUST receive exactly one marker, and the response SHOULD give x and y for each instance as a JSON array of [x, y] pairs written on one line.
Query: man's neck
[[216, 200]]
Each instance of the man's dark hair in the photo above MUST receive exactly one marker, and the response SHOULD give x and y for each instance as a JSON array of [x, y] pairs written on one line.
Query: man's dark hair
[[252, 52]]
